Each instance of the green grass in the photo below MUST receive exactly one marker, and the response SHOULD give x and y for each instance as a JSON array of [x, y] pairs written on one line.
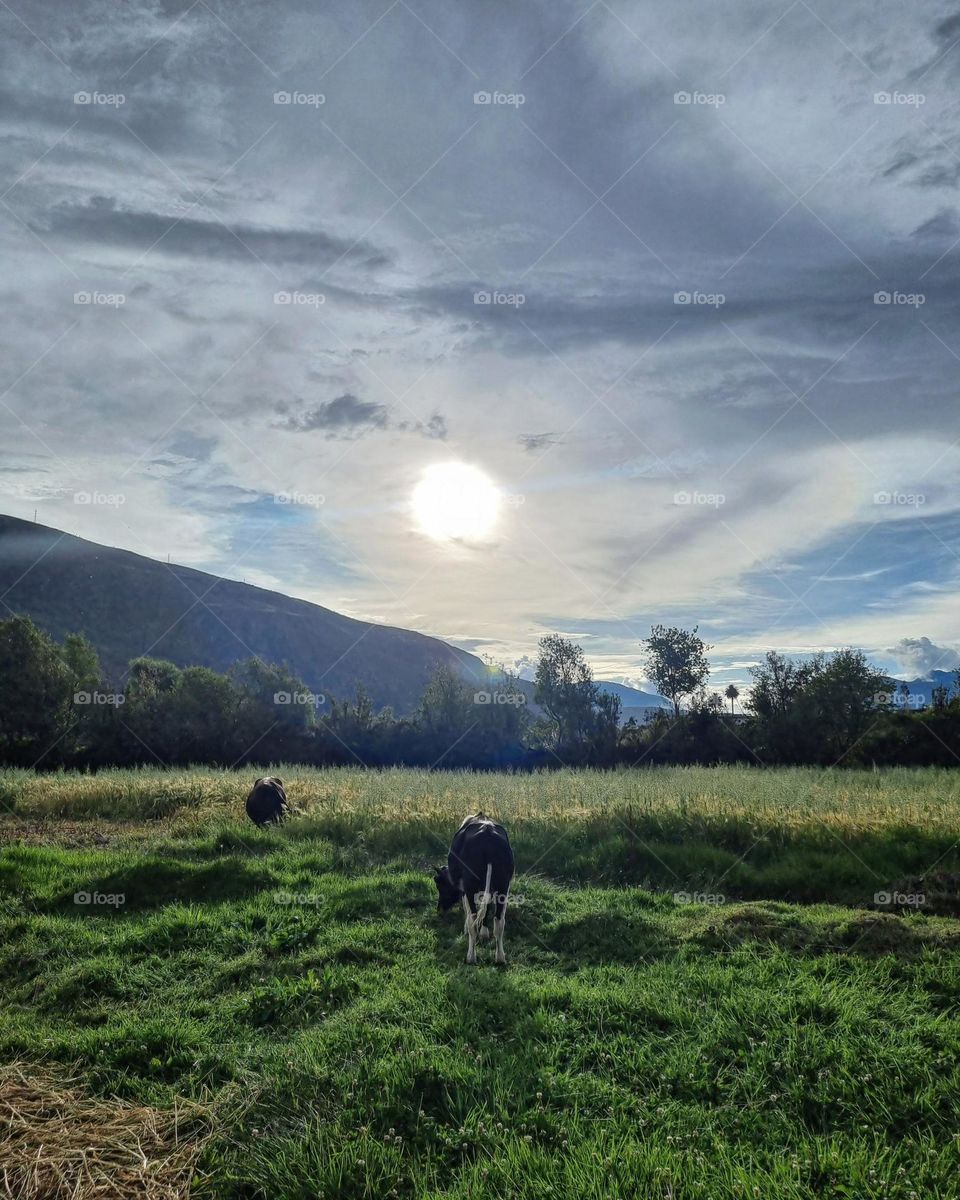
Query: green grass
[[802, 835], [633, 1045]]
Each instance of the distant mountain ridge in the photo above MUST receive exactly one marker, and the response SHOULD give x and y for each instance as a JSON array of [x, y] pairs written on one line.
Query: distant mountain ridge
[[631, 697], [129, 605], [924, 687]]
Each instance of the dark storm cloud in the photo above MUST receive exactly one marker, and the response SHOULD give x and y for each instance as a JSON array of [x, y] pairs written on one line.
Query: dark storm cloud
[[102, 220]]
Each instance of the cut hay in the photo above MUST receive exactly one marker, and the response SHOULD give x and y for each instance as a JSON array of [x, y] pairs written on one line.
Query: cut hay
[[58, 1141]]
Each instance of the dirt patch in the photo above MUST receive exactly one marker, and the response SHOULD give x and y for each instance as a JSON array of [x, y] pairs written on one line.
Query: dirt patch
[[57, 1141], [95, 835]]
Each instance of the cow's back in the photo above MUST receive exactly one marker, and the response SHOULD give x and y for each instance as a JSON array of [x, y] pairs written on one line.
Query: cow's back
[[267, 801], [480, 842]]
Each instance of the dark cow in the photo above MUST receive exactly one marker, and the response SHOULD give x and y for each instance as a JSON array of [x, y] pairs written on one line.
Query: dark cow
[[267, 801], [479, 869]]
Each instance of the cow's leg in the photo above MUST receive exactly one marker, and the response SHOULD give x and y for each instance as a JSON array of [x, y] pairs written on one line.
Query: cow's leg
[[470, 929], [482, 903], [499, 922]]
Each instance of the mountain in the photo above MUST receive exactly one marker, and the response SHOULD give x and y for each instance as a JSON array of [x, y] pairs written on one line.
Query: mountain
[[924, 687], [633, 697], [129, 605]]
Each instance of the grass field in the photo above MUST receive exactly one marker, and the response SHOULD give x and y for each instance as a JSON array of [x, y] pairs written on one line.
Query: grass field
[[283, 1014]]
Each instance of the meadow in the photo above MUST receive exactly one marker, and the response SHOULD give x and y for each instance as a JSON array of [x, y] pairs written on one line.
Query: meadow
[[712, 988]]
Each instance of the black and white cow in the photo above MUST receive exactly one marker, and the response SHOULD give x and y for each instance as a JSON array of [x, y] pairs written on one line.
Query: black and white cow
[[478, 871]]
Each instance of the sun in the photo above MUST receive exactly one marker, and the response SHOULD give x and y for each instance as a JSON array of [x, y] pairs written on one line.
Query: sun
[[455, 501]]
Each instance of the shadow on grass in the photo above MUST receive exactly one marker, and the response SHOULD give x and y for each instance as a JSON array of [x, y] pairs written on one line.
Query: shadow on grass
[[745, 858], [865, 934], [150, 883]]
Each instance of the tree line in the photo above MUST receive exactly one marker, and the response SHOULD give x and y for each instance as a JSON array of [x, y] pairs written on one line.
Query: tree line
[[56, 710]]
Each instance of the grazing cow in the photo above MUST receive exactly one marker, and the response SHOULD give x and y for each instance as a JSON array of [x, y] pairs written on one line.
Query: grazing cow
[[267, 801], [479, 869]]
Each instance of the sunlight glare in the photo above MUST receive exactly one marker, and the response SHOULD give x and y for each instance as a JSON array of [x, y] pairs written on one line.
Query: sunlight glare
[[455, 501]]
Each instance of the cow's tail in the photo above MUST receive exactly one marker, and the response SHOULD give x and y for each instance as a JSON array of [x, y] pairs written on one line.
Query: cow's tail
[[483, 904]]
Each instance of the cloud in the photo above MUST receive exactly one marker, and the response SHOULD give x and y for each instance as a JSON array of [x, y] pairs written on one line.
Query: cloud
[[943, 225], [948, 30], [338, 417], [531, 442], [102, 220], [434, 427], [919, 656], [347, 416], [661, 396]]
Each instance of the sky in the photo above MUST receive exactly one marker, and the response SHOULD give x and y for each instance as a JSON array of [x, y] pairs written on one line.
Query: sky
[[680, 280]]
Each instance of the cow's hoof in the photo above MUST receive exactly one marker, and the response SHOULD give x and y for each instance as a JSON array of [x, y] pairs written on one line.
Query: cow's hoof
[[501, 960], [484, 933]]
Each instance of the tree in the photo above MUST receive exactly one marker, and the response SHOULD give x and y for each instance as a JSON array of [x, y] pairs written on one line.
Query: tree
[[564, 686], [583, 719], [44, 690], [842, 694], [502, 716], [357, 732], [731, 694], [778, 684], [676, 662], [277, 715], [203, 718], [446, 708]]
